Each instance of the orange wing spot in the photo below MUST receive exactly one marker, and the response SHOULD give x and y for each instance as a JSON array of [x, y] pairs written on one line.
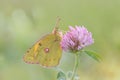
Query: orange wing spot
[[35, 49]]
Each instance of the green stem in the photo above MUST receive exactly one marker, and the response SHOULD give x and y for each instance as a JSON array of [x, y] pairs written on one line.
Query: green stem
[[75, 66]]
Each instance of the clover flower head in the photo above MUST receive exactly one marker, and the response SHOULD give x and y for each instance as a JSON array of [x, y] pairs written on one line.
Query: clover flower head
[[76, 39]]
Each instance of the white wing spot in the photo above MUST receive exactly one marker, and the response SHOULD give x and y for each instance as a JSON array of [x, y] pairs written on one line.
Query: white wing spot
[[46, 50]]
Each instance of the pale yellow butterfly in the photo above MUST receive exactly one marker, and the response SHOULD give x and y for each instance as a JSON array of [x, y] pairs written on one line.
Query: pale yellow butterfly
[[47, 51]]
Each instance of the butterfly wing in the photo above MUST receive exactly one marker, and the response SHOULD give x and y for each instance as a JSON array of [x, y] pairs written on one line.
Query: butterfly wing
[[46, 52]]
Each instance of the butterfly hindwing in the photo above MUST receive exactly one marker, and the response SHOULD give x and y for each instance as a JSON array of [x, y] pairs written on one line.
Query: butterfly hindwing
[[46, 52]]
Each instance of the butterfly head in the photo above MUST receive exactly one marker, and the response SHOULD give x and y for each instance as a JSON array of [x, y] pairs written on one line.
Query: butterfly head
[[56, 29]]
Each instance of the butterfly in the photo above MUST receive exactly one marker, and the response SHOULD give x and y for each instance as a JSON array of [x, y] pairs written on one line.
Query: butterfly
[[47, 51]]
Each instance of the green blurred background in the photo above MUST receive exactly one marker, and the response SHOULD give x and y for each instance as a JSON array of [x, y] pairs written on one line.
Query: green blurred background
[[22, 22]]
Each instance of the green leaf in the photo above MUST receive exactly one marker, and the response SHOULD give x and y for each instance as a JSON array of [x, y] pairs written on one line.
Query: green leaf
[[61, 76], [94, 55]]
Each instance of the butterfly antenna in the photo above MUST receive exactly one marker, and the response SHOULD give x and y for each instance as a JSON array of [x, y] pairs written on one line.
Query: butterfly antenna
[[57, 22], [56, 25]]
